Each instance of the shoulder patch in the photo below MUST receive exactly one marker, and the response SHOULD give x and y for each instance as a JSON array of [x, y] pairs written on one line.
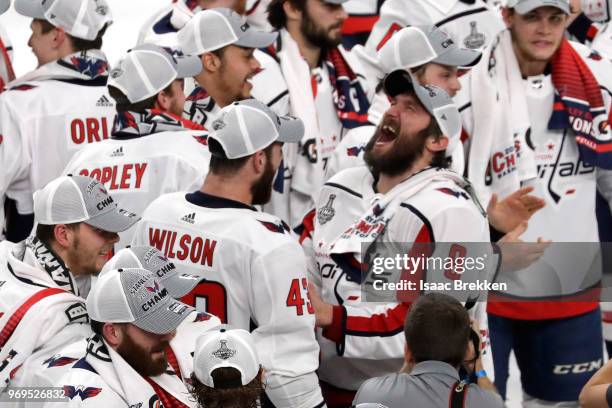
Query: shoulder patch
[[278, 228], [72, 391], [355, 151], [58, 361], [202, 139], [451, 192]]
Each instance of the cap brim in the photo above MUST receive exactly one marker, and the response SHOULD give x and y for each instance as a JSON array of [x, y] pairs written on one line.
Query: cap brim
[[180, 285], [335, 1], [188, 66], [117, 220], [256, 39], [291, 129], [459, 57], [529, 5], [30, 8], [164, 320]]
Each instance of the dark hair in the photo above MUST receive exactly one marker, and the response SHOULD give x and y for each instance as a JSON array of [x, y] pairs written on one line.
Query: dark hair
[[220, 165], [96, 326], [46, 233], [78, 44], [439, 159], [276, 13], [246, 396], [437, 328], [123, 104]]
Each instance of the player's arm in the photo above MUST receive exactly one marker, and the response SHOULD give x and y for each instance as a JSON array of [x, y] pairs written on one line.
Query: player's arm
[[285, 323], [597, 393]]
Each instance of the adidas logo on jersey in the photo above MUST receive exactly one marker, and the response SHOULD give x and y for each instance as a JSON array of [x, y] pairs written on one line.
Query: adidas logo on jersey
[[189, 218], [118, 152], [104, 102]]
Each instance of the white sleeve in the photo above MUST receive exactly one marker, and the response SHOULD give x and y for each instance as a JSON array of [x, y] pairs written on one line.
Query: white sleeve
[[285, 333], [604, 185]]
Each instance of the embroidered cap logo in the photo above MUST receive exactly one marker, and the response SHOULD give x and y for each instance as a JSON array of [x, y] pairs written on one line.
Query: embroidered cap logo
[[224, 352]]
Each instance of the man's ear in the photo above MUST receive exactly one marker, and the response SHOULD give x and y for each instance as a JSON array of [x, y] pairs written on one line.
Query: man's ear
[[163, 101], [113, 334], [291, 11], [64, 236], [210, 62], [259, 160], [60, 37], [507, 16], [436, 144]]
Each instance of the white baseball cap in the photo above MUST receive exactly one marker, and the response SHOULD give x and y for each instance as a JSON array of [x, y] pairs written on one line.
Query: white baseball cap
[[149, 258], [216, 28], [525, 6], [417, 45], [247, 126], [70, 199], [435, 100], [148, 69], [4, 5], [80, 18], [135, 296], [225, 347]]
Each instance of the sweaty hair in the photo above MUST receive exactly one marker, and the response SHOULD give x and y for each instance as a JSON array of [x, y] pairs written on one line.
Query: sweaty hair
[[437, 328], [78, 44], [276, 13], [123, 104], [245, 396], [439, 159], [222, 166]]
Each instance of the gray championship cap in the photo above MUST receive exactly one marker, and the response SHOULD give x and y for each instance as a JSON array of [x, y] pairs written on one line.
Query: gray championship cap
[[435, 100], [216, 28], [525, 6], [135, 296], [70, 199], [80, 18], [145, 257], [148, 69], [4, 6], [417, 45], [225, 347], [248, 126]]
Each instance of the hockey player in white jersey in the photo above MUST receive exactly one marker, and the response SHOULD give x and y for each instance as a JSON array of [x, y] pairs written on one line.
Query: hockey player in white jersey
[[177, 282], [52, 112], [7, 74], [203, 103], [46, 277], [406, 195], [537, 114], [152, 150], [130, 359], [326, 90], [254, 268]]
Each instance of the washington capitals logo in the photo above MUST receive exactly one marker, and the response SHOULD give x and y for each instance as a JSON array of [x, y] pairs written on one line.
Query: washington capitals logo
[[453, 193], [202, 317], [197, 94], [91, 67], [278, 228], [84, 392], [224, 352], [355, 151], [58, 361], [202, 140], [154, 288]]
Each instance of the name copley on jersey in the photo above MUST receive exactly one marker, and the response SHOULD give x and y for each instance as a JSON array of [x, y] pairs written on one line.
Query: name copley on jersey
[[128, 176]]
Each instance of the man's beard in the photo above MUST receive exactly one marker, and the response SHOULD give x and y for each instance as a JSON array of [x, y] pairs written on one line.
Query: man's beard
[[262, 189], [402, 155], [317, 35], [79, 262], [140, 360]]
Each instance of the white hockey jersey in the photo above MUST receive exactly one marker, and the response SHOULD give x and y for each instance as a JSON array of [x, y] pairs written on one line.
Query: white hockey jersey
[[180, 357], [7, 74], [154, 153], [366, 339], [566, 183], [255, 280], [47, 116], [40, 310]]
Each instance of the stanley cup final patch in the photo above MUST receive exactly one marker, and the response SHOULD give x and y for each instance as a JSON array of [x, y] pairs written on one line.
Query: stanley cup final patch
[[327, 212]]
